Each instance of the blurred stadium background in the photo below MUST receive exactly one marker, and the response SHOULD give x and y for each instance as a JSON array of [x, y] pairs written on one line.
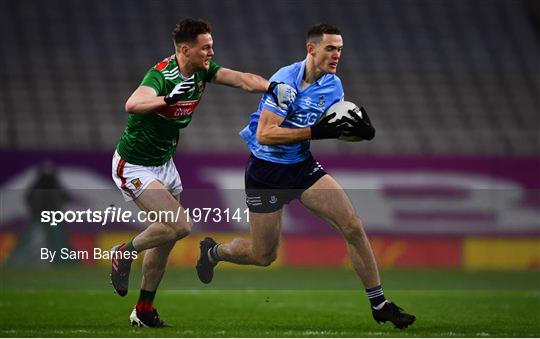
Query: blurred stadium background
[[451, 181]]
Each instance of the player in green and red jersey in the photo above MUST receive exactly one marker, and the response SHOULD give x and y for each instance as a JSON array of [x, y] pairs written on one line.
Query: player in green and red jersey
[[142, 164], [149, 139]]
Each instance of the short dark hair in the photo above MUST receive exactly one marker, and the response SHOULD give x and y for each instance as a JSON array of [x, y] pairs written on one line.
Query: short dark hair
[[187, 30], [316, 32]]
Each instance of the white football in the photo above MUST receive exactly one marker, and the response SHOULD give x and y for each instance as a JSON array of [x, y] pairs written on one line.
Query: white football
[[341, 108]]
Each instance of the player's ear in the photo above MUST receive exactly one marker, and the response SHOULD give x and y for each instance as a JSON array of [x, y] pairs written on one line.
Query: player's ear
[[184, 49], [310, 48]]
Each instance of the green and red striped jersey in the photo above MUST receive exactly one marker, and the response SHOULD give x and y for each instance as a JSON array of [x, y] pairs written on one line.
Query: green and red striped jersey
[[150, 139]]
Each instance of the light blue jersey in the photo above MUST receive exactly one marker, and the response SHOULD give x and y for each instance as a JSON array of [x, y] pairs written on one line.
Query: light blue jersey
[[305, 111]]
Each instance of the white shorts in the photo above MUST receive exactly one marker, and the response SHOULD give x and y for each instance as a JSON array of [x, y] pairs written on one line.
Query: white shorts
[[132, 179]]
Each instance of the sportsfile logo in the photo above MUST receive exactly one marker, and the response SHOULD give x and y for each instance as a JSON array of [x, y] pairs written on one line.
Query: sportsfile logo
[[113, 214], [110, 215]]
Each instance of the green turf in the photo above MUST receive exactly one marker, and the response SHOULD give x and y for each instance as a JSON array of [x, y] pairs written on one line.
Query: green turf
[[447, 304], [92, 278]]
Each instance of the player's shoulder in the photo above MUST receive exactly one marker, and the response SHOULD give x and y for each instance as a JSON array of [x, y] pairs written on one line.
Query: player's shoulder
[[287, 73], [292, 68], [167, 64]]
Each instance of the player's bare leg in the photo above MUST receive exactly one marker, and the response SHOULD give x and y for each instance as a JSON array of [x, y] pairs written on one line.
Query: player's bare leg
[[157, 198], [155, 258], [154, 198], [260, 249], [153, 268], [154, 264], [327, 200]]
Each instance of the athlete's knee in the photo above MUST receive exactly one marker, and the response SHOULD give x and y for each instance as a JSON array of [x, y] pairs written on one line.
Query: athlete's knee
[[182, 231], [265, 259], [179, 230], [352, 228]]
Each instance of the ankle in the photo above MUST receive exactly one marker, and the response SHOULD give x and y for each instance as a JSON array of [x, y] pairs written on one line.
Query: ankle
[[213, 255], [376, 296]]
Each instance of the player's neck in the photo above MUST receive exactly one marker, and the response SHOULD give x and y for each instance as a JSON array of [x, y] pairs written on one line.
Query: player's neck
[[184, 67], [312, 72]]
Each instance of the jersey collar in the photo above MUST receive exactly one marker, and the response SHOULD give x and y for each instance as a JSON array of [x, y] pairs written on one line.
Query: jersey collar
[[301, 75], [177, 65]]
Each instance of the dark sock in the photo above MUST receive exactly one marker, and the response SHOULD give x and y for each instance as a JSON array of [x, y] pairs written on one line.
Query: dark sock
[[146, 301], [129, 247], [213, 255], [375, 295]]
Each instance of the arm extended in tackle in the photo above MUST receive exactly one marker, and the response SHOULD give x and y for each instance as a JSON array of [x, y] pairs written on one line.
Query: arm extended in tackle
[[248, 82]]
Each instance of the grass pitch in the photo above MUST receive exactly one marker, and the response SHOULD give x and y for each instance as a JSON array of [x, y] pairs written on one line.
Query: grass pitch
[[76, 302]]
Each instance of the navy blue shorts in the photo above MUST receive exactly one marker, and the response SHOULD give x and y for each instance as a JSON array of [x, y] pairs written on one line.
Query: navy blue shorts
[[271, 185]]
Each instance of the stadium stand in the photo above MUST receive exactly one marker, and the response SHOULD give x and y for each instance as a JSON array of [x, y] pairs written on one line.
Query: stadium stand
[[438, 77]]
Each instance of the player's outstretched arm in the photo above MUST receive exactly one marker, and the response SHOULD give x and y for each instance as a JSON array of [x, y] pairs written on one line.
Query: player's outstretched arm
[[246, 81], [282, 93]]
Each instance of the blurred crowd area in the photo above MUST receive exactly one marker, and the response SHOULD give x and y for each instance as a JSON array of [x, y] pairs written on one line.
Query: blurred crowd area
[[437, 77]]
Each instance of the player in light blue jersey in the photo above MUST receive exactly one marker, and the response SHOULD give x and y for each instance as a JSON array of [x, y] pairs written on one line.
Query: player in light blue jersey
[[310, 104], [281, 168]]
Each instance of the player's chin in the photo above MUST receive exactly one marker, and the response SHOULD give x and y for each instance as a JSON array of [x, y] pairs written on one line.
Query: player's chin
[[332, 69]]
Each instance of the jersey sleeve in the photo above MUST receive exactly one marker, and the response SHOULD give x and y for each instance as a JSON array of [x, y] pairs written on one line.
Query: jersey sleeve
[[154, 79], [212, 70], [269, 102]]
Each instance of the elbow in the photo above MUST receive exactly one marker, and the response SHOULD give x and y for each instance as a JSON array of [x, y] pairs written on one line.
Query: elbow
[[130, 107]]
